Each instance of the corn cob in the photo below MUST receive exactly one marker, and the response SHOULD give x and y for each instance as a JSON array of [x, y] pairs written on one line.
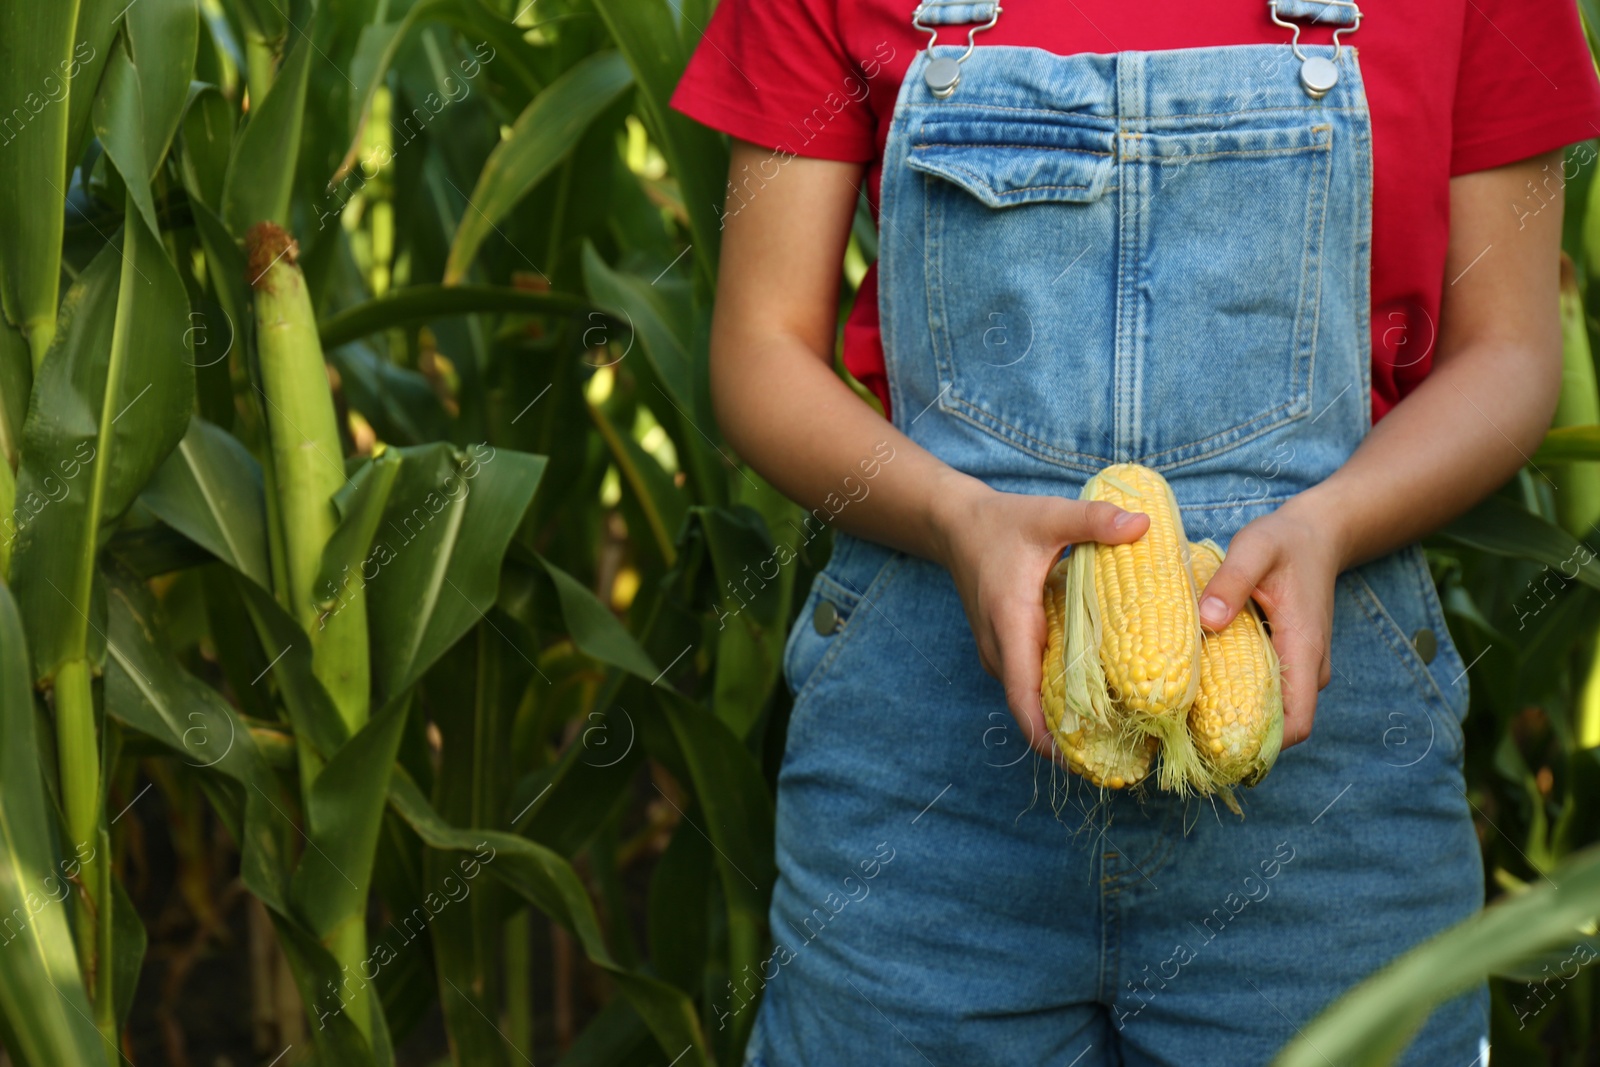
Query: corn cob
[[1133, 624], [307, 464], [1237, 718], [1105, 755]]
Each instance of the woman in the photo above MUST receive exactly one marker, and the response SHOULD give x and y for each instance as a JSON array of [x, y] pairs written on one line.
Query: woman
[[1299, 257]]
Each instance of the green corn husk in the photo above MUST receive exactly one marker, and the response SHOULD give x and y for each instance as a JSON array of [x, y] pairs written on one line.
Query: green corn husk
[[307, 468], [307, 464]]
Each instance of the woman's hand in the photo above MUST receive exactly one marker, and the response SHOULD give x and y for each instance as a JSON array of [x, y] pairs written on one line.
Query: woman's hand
[[1288, 561], [999, 547]]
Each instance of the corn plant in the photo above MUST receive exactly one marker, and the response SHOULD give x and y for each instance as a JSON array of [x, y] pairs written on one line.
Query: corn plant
[[413, 406]]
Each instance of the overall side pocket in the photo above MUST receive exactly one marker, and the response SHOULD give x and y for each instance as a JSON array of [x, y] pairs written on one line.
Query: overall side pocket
[[834, 611], [1398, 596]]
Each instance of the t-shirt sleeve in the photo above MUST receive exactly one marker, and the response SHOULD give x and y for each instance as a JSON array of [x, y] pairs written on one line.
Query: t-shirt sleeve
[[775, 72], [1526, 83]]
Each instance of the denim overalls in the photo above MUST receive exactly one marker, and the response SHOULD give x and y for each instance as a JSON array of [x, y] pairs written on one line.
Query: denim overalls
[[1151, 256]]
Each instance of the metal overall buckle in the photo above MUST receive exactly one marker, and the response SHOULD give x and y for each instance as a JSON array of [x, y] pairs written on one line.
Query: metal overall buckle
[[944, 74], [1318, 74]]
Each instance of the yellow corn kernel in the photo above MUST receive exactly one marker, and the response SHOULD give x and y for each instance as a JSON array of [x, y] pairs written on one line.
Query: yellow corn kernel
[[1109, 757], [1236, 722], [1150, 625]]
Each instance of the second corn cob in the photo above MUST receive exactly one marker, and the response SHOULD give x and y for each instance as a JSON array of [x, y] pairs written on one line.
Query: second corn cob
[[1237, 717], [1102, 753]]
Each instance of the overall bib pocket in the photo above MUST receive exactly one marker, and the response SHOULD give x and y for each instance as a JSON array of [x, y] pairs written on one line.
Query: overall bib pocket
[[1187, 245]]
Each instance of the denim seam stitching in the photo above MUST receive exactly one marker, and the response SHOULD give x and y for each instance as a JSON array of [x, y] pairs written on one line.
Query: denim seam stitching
[[1004, 430], [1229, 439], [888, 264], [938, 317], [986, 144], [1191, 157], [997, 194], [1132, 204], [1288, 109], [1218, 505], [1312, 273]]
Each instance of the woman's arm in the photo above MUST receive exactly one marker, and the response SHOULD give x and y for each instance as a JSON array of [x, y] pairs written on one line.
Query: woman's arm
[[1469, 426], [788, 414]]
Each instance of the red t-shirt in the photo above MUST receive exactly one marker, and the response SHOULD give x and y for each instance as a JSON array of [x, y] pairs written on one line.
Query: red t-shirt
[[1453, 86]]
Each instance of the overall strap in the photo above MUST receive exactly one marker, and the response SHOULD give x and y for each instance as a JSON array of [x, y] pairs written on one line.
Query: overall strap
[[1318, 74], [944, 73], [1325, 12], [954, 12]]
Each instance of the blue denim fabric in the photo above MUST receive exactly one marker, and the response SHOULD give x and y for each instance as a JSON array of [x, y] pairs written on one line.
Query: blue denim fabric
[[952, 13], [1160, 257], [1318, 11]]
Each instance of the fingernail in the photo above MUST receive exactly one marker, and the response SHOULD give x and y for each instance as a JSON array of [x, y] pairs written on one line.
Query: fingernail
[[1213, 609], [1124, 520]]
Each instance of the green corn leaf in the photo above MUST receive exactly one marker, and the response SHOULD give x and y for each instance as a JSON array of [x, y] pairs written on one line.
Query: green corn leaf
[[209, 489], [540, 139], [148, 690], [97, 28], [119, 124], [380, 45], [1569, 444], [472, 694], [615, 1035], [46, 1011], [1372, 1024], [225, 268], [16, 381], [750, 580], [419, 304], [558, 805], [36, 59], [1501, 527], [360, 504], [110, 402], [328, 891], [661, 325], [261, 168], [738, 817], [595, 630], [324, 988], [726, 778], [163, 35], [680, 920], [310, 709], [648, 34], [435, 560], [129, 942], [399, 402], [207, 142], [657, 499], [343, 817], [548, 881]]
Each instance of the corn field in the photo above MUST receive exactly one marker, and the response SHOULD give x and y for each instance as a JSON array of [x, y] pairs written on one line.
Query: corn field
[[390, 649]]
